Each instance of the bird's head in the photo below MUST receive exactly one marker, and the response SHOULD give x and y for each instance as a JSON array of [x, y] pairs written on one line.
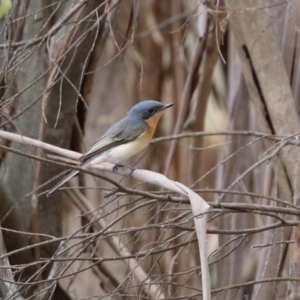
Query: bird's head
[[148, 109]]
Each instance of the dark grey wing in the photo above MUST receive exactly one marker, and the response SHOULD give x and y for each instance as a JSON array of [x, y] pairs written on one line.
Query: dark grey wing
[[127, 129], [122, 132]]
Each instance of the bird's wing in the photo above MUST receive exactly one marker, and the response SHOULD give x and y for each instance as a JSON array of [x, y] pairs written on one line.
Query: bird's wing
[[123, 132]]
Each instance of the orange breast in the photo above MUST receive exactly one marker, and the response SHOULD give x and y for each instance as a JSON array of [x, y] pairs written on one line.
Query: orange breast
[[152, 123]]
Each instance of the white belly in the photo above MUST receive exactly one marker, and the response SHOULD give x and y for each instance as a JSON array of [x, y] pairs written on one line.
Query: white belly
[[121, 153]]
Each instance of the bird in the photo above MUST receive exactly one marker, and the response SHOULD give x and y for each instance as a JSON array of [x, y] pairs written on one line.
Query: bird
[[124, 139]]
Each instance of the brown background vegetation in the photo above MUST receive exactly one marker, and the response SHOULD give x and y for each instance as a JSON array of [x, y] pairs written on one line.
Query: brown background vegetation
[[70, 69]]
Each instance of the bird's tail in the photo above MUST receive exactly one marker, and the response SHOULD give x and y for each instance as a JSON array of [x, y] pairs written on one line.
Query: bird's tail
[[67, 178]]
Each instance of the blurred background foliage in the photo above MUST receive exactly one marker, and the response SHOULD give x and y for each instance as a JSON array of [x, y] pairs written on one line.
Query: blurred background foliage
[[70, 69]]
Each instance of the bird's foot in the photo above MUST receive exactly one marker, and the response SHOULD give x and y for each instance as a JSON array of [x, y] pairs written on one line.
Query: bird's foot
[[132, 169]]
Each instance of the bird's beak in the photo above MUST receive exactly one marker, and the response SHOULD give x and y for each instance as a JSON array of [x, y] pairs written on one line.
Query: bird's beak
[[166, 106]]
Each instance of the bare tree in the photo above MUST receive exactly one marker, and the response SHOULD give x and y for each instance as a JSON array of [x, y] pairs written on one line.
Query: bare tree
[[71, 69]]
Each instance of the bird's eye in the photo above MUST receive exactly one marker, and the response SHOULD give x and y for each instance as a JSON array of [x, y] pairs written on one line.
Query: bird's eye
[[151, 111]]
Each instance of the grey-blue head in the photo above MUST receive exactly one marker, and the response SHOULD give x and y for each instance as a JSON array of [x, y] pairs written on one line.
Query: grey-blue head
[[147, 109]]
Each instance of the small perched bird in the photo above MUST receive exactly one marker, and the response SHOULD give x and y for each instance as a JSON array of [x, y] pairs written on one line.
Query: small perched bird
[[124, 139]]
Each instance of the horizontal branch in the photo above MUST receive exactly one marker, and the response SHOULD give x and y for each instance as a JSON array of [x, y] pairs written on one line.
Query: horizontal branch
[[198, 205]]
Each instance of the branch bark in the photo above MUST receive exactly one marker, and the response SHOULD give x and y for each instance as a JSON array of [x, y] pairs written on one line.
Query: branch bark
[[269, 88]]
